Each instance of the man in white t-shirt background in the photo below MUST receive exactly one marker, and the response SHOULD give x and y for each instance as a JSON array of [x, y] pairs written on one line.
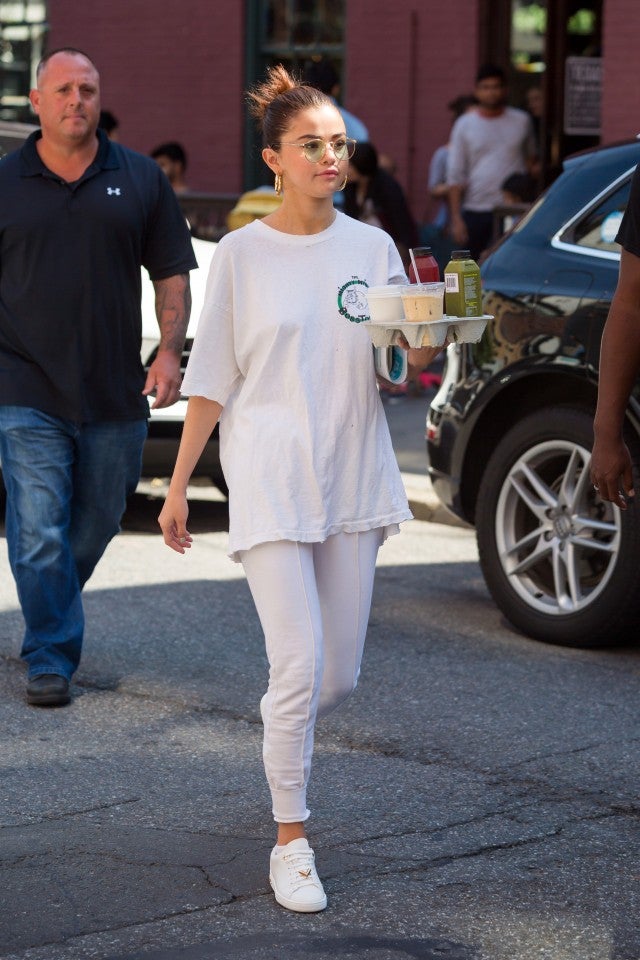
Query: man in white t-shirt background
[[487, 144]]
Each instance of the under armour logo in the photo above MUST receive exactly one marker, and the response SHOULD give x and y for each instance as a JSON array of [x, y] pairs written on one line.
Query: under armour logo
[[112, 190]]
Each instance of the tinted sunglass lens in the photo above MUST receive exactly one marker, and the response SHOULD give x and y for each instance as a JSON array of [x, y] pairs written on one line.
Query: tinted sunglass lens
[[314, 150]]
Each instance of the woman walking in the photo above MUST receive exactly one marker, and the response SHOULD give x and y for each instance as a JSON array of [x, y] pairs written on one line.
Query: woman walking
[[314, 488]]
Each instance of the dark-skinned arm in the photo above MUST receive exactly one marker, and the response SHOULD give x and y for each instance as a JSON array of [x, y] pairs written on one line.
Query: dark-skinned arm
[[619, 366]]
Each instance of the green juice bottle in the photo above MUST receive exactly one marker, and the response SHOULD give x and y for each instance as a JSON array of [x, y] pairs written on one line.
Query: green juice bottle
[[462, 287]]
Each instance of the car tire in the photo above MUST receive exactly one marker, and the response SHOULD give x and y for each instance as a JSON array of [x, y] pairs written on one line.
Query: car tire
[[560, 563]]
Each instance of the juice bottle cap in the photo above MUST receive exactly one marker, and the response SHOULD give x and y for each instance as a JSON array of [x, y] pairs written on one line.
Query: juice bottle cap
[[460, 254]]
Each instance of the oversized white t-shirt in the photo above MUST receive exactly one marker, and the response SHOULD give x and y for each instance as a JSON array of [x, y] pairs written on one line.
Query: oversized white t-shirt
[[304, 442]]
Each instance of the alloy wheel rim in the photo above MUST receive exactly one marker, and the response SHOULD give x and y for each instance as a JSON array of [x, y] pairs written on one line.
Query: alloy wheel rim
[[557, 541]]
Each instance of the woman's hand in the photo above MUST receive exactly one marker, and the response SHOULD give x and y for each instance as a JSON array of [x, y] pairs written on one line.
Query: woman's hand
[[201, 417], [419, 358], [173, 522]]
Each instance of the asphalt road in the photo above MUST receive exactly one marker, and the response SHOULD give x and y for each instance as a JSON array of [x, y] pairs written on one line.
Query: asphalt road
[[476, 799]]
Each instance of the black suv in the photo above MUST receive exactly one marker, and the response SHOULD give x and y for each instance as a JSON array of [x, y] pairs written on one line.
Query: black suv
[[509, 433]]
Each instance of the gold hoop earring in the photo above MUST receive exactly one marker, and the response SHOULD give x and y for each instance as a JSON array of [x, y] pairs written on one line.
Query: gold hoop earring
[[277, 186], [346, 180]]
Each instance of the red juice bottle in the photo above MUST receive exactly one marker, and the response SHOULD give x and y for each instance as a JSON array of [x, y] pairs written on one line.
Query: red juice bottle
[[427, 265]]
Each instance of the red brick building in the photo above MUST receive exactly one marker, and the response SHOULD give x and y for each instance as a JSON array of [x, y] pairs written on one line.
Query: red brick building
[[177, 70]]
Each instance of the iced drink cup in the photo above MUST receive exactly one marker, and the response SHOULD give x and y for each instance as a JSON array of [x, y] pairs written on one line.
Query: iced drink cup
[[385, 305], [423, 302]]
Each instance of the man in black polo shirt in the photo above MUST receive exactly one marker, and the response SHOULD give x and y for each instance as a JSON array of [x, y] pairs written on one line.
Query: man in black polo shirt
[[79, 215]]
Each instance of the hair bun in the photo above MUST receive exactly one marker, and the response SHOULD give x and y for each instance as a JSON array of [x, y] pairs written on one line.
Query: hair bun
[[278, 81]]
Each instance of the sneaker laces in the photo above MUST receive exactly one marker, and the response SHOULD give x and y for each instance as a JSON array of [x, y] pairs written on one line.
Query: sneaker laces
[[301, 868]]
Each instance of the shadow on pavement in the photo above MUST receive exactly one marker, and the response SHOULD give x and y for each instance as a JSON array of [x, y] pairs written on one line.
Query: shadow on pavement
[[273, 944]]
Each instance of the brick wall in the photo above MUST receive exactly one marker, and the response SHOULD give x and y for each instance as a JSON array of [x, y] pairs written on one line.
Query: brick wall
[[175, 71], [169, 71], [434, 42], [621, 90]]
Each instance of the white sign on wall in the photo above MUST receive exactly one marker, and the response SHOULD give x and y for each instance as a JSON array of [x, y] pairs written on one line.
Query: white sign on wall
[[582, 95]]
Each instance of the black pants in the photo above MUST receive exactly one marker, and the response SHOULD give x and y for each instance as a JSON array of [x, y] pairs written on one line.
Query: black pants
[[480, 229]]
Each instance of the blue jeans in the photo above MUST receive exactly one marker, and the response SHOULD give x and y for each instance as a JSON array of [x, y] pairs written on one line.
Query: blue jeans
[[67, 487]]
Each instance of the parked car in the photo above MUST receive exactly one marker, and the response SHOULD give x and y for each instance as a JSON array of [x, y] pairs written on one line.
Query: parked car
[[509, 433], [13, 135], [165, 424]]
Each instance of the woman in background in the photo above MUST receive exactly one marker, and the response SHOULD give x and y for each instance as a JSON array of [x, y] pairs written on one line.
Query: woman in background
[[374, 196]]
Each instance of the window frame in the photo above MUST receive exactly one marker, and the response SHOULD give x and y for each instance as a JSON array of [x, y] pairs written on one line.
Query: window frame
[[259, 55], [559, 241]]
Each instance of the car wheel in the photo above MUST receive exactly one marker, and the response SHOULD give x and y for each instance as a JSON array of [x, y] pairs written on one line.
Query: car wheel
[[561, 563]]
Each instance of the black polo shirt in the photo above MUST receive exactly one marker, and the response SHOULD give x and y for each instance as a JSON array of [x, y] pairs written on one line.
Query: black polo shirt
[[70, 282]]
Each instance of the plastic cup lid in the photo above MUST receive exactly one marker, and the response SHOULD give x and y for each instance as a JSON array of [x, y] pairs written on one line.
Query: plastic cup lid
[[390, 290]]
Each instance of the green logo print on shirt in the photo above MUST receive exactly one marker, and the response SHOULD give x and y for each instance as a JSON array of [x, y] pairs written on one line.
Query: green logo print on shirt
[[352, 302]]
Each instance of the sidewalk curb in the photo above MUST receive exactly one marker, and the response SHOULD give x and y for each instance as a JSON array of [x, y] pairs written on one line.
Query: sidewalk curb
[[425, 505]]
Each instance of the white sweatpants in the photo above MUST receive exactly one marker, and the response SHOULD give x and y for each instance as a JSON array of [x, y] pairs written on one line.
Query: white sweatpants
[[313, 600]]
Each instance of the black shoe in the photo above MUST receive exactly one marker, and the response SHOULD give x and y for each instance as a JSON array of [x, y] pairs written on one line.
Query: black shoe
[[48, 690]]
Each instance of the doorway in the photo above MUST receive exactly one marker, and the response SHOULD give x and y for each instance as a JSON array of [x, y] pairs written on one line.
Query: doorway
[[551, 51]]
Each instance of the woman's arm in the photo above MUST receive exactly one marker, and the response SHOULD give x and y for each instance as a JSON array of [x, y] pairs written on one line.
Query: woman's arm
[[419, 358], [202, 416]]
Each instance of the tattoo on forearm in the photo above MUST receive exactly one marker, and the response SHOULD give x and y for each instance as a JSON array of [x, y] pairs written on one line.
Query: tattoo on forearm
[[173, 308]]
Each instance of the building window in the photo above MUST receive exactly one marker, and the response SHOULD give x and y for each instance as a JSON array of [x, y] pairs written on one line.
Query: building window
[[22, 31], [291, 32]]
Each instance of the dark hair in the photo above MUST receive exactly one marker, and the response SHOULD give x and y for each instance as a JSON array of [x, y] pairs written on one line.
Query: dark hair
[[174, 151], [365, 159], [278, 99], [461, 104], [322, 75], [107, 121], [491, 70], [71, 50]]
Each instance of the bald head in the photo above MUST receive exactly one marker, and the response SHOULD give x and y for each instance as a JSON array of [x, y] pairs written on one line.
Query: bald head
[[67, 99], [54, 53]]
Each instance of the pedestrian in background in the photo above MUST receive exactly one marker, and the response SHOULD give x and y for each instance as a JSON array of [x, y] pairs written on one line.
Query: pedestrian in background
[[282, 359], [611, 463], [374, 196], [436, 233], [109, 123], [78, 217], [172, 159], [323, 75], [437, 179], [487, 144]]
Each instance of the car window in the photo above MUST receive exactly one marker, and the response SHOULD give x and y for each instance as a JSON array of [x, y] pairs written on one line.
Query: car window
[[597, 227]]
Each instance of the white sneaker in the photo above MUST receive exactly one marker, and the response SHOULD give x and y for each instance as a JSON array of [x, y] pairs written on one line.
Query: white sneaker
[[294, 879]]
